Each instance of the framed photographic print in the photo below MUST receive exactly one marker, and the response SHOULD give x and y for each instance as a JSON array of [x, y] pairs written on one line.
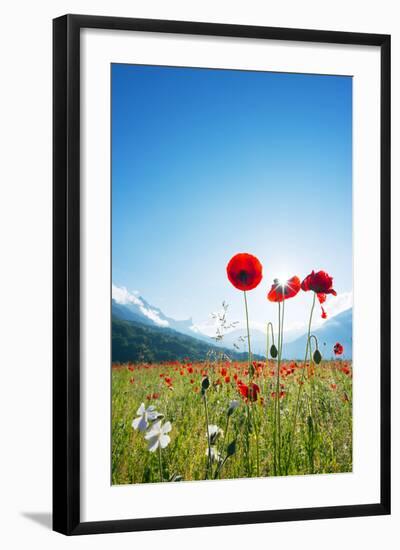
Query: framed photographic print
[[221, 274]]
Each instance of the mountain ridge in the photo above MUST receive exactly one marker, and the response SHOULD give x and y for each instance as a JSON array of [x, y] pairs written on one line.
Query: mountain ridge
[[336, 329]]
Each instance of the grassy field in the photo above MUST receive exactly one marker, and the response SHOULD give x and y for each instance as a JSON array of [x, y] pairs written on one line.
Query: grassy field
[[254, 440]]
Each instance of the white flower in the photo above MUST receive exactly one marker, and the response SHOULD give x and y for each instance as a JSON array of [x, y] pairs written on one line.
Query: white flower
[[214, 432], [156, 436], [144, 415], [215, 455]]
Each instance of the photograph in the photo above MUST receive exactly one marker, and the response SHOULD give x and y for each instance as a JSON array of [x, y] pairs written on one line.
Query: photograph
[[231, 274]]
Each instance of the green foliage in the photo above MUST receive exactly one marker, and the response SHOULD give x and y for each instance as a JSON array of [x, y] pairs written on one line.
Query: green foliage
[[133, 341], [322, 444]]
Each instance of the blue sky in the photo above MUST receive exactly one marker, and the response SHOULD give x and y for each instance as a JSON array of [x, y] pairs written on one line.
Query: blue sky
[[207, 163]]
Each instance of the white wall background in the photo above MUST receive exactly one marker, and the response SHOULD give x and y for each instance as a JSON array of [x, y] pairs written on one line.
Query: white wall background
[[25, 273]]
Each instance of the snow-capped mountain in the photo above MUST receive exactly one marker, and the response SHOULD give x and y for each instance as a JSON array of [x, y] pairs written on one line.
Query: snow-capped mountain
[[127, 306], [131, 307]]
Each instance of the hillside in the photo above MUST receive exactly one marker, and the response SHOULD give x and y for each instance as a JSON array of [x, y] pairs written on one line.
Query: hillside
[[133, 341]]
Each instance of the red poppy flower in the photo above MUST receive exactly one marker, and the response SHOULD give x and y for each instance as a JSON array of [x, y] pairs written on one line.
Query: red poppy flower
[[244, 271], [321, 284], [227, 379], [338, 349], [282, 290], [281, 394], [249, 392]]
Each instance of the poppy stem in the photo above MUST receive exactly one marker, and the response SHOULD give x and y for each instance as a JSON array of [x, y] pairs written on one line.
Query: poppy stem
[[208, 437], [292, 431], [278, 387], [249, 466], [257, 451], [222, 449], [269, 326], [250, 379], [248, 336], [312, 415]]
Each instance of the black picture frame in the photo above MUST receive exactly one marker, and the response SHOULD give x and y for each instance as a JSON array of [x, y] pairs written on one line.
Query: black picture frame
[[66, 273]]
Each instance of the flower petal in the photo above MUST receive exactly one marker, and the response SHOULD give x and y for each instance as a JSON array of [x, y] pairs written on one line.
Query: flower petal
[[153, 444], [135, 423], [142, 425], [164, 440], [166, 428], [141, 410]]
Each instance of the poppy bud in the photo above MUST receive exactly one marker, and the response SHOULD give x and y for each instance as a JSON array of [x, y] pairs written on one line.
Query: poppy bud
[[205, 385], [317, 357], [251, 371], [273, 351], [231, 449]]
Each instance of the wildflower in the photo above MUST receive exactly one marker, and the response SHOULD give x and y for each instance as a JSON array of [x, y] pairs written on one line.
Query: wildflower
[[281, 394], [214, 432], [249, 392], [282, 290], [143, 417], [227, 379], [338, 349], [321, 284], [131, 380], [244, 271], [157, 436], [333, 386]]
